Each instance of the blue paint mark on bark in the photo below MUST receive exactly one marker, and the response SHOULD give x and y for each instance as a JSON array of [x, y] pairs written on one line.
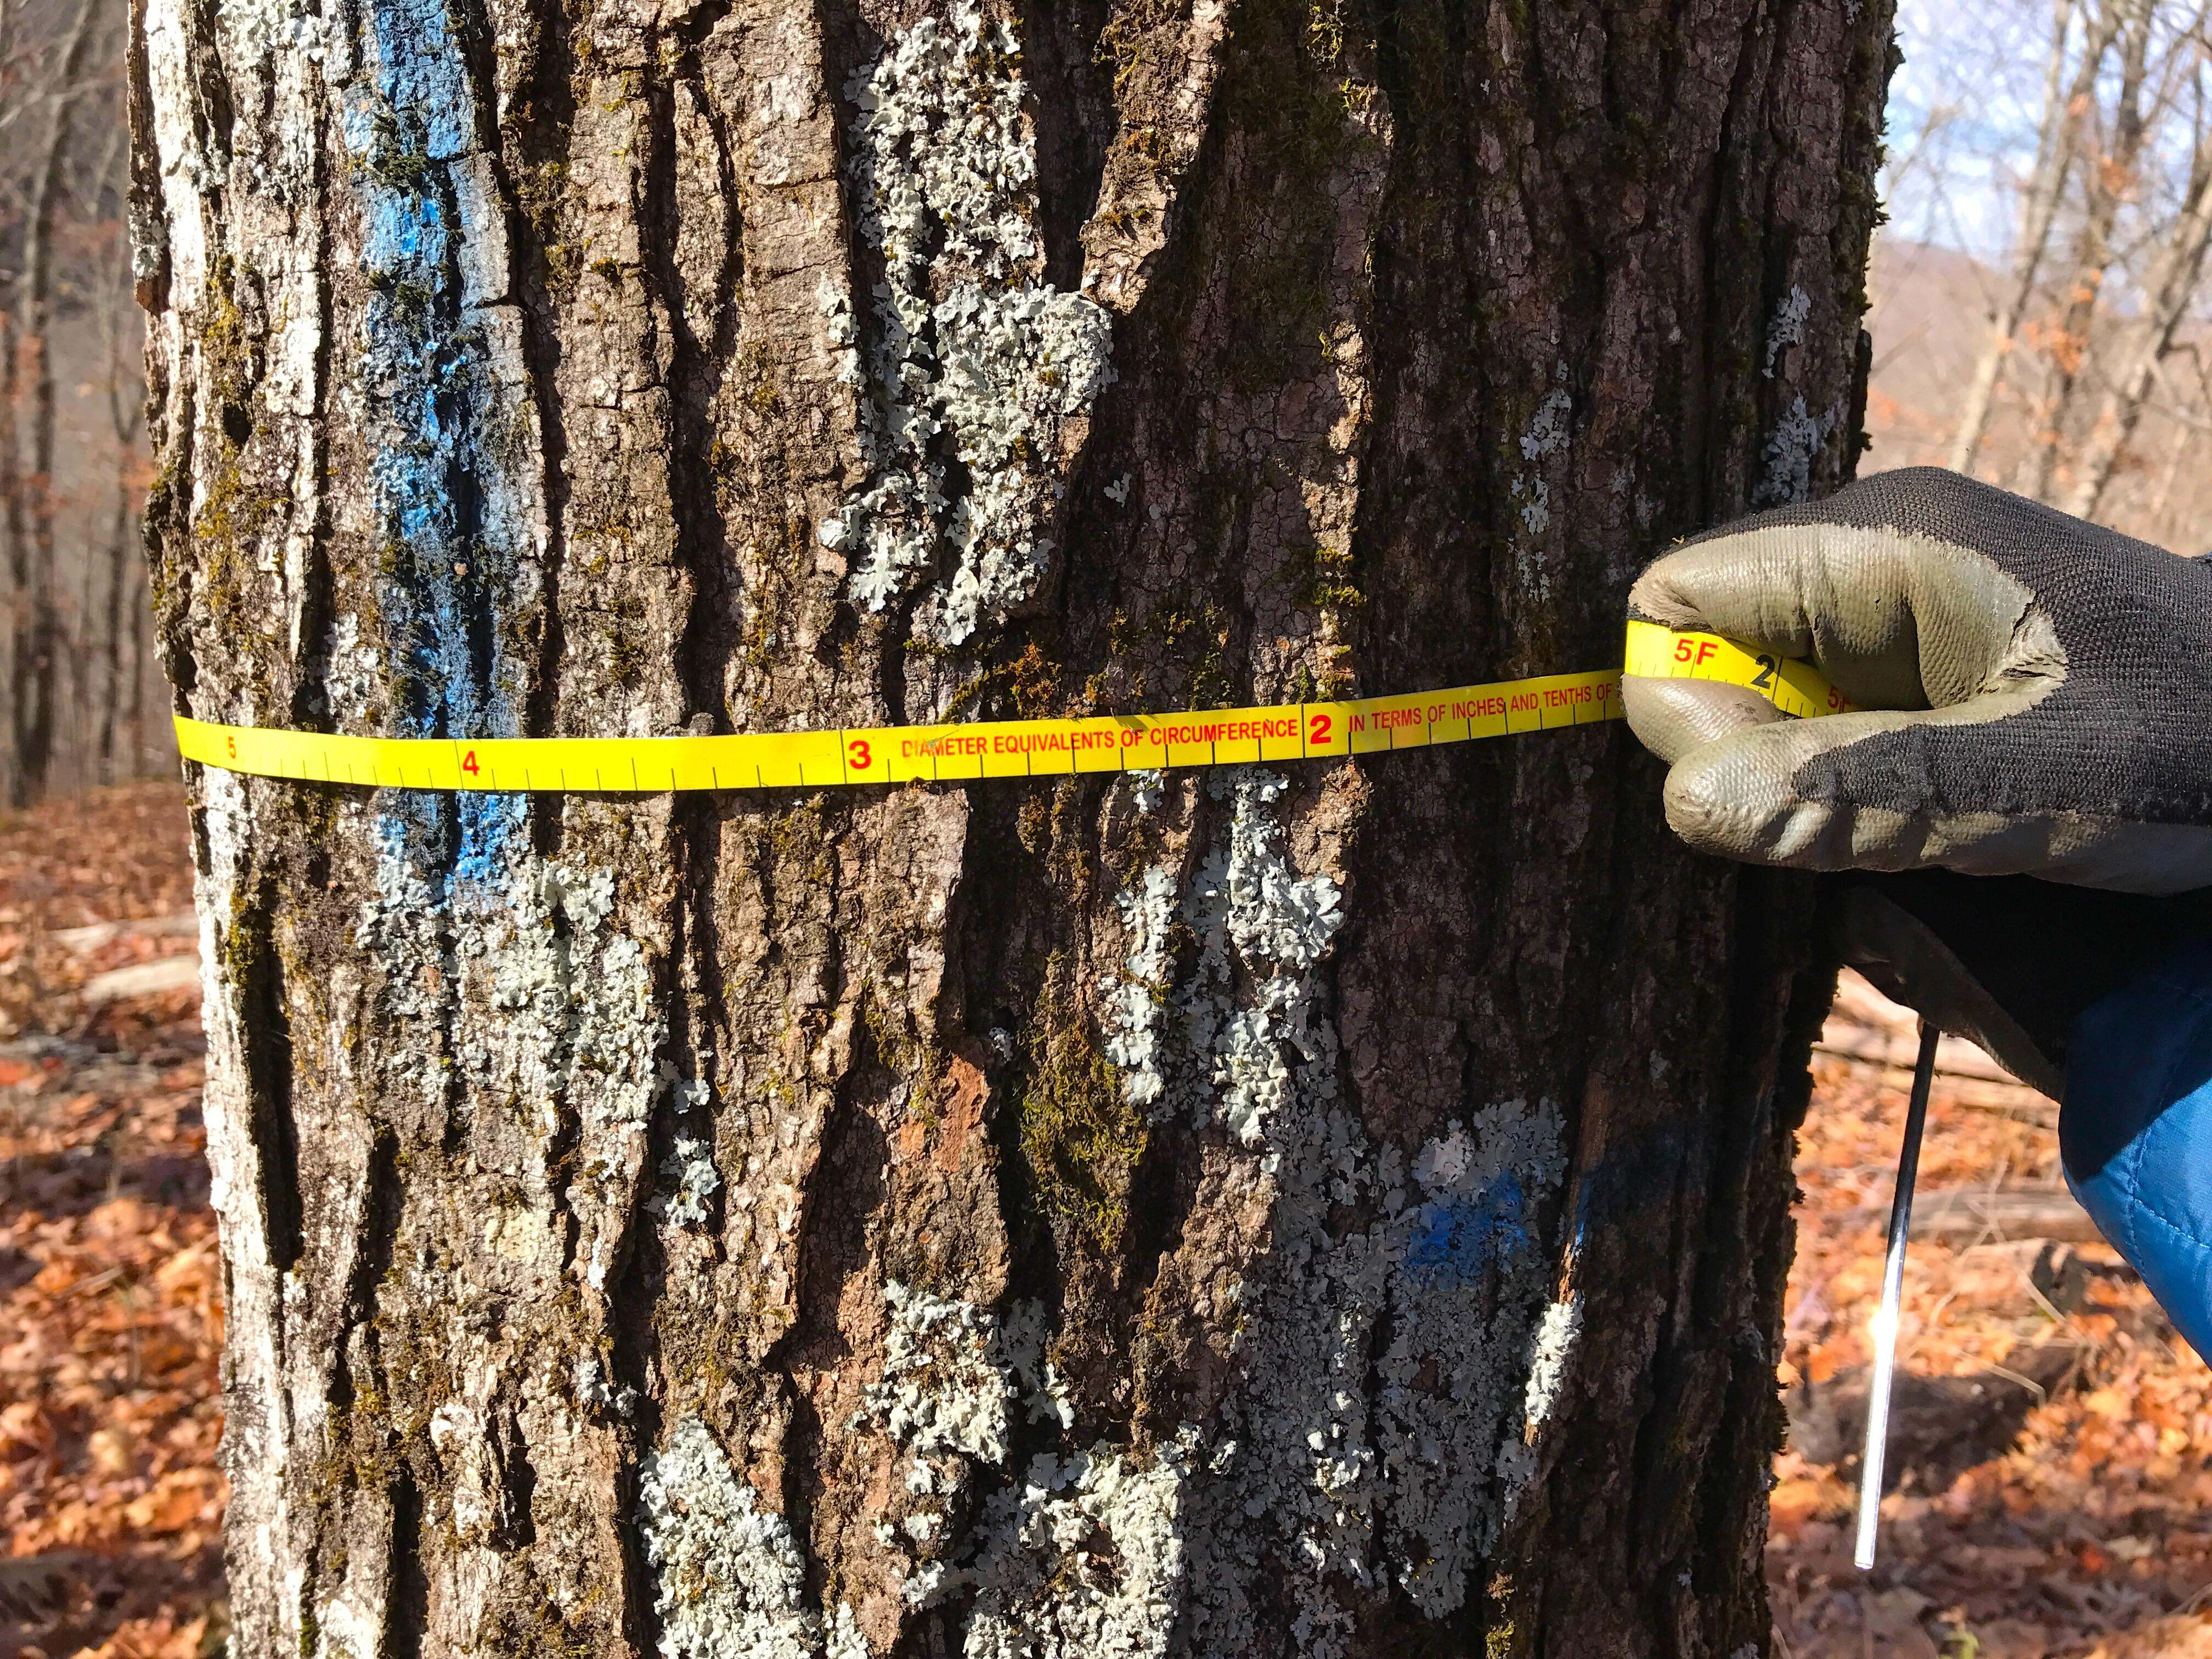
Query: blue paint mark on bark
[[1458, 1240], [448, 565]]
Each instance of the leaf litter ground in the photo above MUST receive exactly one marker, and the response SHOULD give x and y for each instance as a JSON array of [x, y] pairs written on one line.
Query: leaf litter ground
[[2077, 1527], [2085, 1533], [111, 1506]]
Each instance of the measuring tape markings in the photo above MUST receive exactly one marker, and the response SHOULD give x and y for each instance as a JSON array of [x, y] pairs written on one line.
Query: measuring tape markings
[[1791, 684], [1007, 749]]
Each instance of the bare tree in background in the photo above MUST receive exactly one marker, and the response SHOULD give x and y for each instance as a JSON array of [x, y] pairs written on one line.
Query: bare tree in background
[[21, 621], [2109, 179], [2142, 342], [74, 657], [2066, 397], [38, 666], [2066, 99], [113, 687]]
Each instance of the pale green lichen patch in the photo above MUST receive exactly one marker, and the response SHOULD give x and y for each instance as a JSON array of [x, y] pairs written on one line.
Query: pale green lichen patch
[[1084, 1558], [728, 1579], [957, 1382], [968, 345]]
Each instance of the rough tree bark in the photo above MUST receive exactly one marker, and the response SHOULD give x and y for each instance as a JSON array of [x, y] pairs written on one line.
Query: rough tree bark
[[1338, 1210]]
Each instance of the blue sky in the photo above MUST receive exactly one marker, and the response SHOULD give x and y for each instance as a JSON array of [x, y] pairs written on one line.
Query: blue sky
[[1962, 119]]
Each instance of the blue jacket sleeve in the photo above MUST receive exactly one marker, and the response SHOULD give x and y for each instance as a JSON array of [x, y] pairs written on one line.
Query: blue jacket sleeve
[[2135, 1130]]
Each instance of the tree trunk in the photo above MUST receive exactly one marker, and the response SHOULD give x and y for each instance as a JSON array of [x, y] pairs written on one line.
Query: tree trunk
[[111, 717], [14, 527], [2108, 181], [38, 668], [119, 745], [1329, 1209], [2056, 147]]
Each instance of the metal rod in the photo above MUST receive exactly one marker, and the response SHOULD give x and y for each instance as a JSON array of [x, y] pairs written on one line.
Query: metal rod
[[1893, 1295]]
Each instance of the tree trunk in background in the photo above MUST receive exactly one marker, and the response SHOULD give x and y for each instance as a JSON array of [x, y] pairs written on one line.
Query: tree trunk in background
[[1334, 1210], [14, 527], [2058, 145], [115, 709], [39, 690]]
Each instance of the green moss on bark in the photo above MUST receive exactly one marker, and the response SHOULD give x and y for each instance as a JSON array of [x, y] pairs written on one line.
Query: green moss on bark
[[1079, 1134]]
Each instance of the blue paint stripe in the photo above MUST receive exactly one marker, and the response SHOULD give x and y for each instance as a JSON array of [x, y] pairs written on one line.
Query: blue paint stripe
[[1460, 1240], [426, 388]]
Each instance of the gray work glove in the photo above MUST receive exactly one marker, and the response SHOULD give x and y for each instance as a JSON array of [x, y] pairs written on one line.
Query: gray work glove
[[2039, 701], [2039, 690]]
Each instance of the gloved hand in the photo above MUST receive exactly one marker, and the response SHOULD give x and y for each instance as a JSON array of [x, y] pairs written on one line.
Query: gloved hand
[[2038, 709], [2039, 698], [2039, 690]]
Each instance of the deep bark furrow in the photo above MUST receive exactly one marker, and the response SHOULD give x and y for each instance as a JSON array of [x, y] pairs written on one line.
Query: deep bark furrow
[[269, 1075]]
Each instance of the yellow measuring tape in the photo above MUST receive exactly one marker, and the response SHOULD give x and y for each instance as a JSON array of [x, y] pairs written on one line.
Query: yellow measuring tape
[[1791, 684], [1007, 749]]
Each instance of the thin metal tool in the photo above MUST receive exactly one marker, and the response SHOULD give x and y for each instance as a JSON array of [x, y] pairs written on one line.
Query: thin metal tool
[[1893, 1294]]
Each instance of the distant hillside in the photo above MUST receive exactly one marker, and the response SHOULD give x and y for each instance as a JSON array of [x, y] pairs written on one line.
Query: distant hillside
[[1928, 317]]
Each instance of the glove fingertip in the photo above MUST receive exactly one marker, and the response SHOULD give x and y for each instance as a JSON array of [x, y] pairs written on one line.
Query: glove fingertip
[[1735, 797], [1676, 718], [1653, 598], [1705, 800]]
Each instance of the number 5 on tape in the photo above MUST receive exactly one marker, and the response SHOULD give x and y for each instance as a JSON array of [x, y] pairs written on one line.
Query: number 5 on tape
[[1795, 687]]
